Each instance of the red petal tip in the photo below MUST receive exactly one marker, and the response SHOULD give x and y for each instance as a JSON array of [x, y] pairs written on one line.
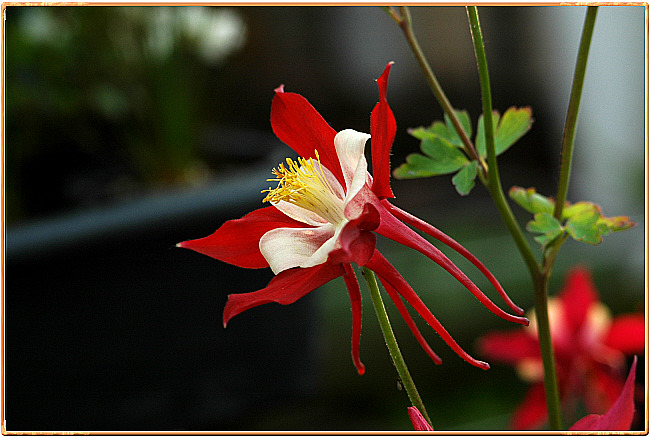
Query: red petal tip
[[386, 69], [383, 82], [483, 365], [361, 370], [279, 89], [525, 321]]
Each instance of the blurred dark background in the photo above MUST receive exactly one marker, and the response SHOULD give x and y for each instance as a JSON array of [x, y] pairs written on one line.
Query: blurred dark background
[[129, 129]]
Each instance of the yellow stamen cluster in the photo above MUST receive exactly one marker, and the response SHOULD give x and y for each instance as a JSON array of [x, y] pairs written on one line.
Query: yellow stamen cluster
[[303, 183]]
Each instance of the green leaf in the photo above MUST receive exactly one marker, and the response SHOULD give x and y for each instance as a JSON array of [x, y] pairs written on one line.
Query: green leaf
[[480, 133], [441, 158], [445, 130], [583, 225], [586, 222], [512, 126], [442, 146], [577, 208], [547, 225], [507, 130], [583, 221], [464, 179], [531, 201], [465, 122], [426, 132], [449, 158], [420, 166], [614, 224], [440, 129]]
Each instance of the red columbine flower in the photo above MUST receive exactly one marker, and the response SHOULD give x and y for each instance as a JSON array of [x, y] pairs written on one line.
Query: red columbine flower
[[590, 348], [619, 416], [323, 216], [418, 420]]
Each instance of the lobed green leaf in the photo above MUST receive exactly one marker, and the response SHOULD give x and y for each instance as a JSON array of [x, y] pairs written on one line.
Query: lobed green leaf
[[614, 224], [464, 179], [480, 133], [420, 166], [531, 201], [583, 221], [512, 126], [465, 122], [547, 225], [583, 224]]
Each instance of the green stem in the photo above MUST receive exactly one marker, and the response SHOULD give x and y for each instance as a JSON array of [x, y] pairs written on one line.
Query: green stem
[[391, 343], [572, 112], [494, 182], [548, 356], [540, 279], [404, 22]]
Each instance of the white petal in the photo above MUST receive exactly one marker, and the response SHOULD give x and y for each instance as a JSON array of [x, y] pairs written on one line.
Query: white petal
[[300, 214], [285, 248], [359, 179], [323, 252], [350, 146]]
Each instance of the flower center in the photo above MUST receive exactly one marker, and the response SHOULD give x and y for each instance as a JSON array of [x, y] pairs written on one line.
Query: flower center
[[304, 184]]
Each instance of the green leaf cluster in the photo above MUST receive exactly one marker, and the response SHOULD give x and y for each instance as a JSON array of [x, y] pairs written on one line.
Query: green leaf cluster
[[443, 152], [583, 221]]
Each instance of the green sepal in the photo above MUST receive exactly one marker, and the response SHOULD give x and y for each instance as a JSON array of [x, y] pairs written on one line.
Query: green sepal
[[465, 178]]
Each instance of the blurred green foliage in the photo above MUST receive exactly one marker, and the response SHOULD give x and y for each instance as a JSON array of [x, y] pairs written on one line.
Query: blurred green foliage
[[114, 91]]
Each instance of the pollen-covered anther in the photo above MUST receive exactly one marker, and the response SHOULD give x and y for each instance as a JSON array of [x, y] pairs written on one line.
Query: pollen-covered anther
[[303, 183]]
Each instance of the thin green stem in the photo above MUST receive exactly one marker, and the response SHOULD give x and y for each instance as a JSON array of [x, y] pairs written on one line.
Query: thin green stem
[[572, 112], [391, 343], [404, 21], [540, 279], [494, 182], [548, 356], [489, 175]]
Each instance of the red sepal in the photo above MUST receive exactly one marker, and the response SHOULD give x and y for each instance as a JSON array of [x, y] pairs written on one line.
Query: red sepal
[[578, 295], [238, 241], [531, 413], [285, 288], [382, 132], [627, 334], [619, 416], [297, 123], [509, 347]]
